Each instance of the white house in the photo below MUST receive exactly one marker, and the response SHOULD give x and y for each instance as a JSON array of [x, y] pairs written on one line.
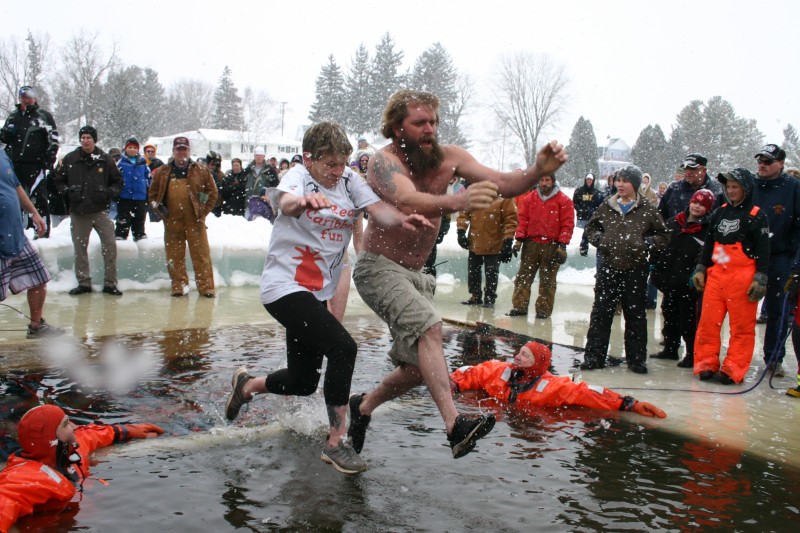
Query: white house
[[228, 143]]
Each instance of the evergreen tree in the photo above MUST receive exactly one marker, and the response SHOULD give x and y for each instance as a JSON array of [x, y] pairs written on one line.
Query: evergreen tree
[[434, 72], [582, 150], [132, 99], [227, 114], [791, 144], [652, 154], [330, 95], [34, 68], [714, 130], [385, 78], [155, 114], [358, 118]]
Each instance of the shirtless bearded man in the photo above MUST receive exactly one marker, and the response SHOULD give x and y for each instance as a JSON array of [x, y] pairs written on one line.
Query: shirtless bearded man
[[412, 173]]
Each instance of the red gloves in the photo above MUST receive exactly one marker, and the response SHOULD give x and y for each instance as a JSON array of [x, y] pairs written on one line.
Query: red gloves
[[143, 431], [648, 409]]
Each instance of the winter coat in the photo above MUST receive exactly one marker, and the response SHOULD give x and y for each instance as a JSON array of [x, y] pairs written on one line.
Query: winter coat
[[649, 195], [675, 264], [234, 193], [745, 223], [499, 380], [31, 486], [31, 136], [489, 227], [584, 199], [779, 199], [678, 194], [546, 220], [265, 179], [88, 180], [201, 186], [136, 176], [154, 164], [626, 240]]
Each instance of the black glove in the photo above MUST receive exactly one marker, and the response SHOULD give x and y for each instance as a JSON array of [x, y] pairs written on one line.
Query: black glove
[[506, 251], [462, 239]]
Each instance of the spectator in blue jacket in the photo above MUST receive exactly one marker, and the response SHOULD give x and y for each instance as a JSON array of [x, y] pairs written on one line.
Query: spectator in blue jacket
[[132, 204], [778, 195]]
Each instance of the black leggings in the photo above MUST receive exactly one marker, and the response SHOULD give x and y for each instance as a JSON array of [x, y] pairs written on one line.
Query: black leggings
[[311, 334]]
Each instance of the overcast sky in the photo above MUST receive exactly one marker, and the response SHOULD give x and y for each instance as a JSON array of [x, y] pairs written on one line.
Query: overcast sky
[[631, 63]]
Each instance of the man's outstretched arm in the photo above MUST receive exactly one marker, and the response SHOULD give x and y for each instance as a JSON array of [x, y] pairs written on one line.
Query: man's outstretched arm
[[511, 184]]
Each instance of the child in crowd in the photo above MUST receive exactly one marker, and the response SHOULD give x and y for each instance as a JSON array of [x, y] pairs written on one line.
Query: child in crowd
[[672, 273], [625, 229], [732, 274]]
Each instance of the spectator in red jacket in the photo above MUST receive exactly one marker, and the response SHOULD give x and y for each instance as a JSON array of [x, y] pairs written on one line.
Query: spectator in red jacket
[[52, 463], [546, 220], [528, 381]]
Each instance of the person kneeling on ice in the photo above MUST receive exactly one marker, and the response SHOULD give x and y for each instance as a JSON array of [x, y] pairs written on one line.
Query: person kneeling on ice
[[52, 465], [528, 381], [732, 274]]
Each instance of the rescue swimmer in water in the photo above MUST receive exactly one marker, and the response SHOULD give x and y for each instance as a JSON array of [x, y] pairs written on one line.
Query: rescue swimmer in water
[[51, 466], [528, 381]]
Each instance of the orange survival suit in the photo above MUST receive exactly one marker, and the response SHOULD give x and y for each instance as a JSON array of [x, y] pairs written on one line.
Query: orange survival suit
[[535, 385], [734, 256], [43, 476]]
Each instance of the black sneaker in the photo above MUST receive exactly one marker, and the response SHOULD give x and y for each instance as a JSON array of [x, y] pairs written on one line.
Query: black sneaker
[[474, 300], [514, 312], [112, 290], [638, 367], [80, 289], [343, 458], [43, 330], [236, 398], [705, 375], [359, 423], [686, 362], [467, 431]]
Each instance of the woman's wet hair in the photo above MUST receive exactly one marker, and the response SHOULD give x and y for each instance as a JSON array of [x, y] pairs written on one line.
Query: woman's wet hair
[[326, 138]]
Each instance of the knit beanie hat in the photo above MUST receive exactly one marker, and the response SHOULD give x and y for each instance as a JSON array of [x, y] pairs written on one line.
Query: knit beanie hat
[[88, 130], [632, 174], [705, 198]]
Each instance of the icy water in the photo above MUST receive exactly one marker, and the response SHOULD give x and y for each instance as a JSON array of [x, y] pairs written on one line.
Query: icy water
[[568, 470]]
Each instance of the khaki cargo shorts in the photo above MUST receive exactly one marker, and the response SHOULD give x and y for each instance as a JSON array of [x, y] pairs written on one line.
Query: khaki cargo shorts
[[403, 298]]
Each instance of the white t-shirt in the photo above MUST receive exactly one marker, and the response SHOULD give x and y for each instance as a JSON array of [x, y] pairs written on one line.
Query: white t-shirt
[[306, 253]]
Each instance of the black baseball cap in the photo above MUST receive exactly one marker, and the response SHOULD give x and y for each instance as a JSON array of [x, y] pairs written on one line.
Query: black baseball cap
[[694, 160], [771, 151]]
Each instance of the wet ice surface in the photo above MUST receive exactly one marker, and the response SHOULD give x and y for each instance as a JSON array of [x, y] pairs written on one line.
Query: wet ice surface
[[570, 469]]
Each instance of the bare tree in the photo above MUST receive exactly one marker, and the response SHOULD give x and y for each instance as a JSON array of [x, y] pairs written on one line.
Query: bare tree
[[190, 103], [530, 94], [21, 63], [261, 115], [79, 81]]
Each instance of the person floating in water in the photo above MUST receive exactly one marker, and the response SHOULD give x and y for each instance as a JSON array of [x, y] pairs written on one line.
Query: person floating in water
[[52, 462], [527, 381]]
